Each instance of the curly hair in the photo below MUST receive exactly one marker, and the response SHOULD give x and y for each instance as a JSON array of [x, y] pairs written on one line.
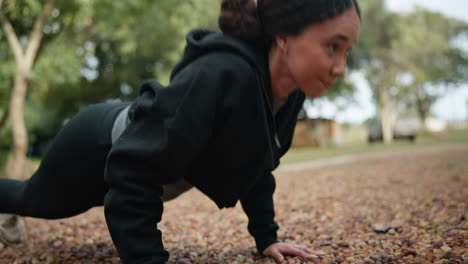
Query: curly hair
[[262, 21]]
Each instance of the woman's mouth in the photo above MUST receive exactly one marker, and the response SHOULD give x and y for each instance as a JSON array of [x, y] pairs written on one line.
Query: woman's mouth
[[326, 85]]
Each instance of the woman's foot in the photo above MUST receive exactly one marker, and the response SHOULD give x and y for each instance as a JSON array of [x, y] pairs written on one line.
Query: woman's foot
[[11, 228]]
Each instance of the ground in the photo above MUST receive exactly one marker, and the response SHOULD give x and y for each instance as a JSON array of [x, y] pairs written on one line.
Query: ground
[[398, 207]]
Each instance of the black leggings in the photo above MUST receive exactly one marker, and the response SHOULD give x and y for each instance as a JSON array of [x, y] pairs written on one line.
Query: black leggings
[[70, 178]]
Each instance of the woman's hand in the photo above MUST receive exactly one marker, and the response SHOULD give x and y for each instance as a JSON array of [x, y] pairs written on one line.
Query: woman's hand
[[278, 250]]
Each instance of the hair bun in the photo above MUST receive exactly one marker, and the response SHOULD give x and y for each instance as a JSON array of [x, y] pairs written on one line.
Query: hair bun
[[238, 18]]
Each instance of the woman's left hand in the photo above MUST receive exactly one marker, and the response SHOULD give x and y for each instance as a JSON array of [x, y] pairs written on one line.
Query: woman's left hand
[[278, 250]]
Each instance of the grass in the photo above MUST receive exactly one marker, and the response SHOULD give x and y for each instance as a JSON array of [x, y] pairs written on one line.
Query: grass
[[425, 139], [306, 154]]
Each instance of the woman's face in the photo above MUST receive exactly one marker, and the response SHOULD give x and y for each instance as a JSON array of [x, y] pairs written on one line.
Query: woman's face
[[316, 58]]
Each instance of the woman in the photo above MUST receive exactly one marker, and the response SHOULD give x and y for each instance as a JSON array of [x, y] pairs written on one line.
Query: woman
[[221, 125]]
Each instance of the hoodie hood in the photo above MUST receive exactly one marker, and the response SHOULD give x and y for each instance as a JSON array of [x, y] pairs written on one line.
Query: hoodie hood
[[200, 42]]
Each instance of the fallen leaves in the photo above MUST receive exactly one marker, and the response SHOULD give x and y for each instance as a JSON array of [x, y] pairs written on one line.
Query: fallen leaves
[[382, 228], [405, 208]]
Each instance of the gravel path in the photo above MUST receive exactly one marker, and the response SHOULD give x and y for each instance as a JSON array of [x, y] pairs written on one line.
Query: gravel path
[[399, 207]]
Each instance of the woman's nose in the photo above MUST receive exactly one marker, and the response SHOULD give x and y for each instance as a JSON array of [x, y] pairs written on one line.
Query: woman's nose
[[339, 69]]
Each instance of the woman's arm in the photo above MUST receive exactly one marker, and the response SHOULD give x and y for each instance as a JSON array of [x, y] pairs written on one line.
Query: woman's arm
[[169, 130], [259, 207]]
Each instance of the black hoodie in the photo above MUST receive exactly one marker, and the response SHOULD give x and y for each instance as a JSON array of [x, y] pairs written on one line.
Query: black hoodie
[[212, 125]]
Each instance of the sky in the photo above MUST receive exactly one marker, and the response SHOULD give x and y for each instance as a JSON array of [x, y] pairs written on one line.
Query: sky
[[452, 107]]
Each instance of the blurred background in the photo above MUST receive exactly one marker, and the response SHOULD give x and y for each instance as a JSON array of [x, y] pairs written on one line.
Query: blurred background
[[407, 81]]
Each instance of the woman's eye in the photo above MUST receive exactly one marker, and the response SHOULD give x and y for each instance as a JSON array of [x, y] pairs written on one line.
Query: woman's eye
[[332, 47]]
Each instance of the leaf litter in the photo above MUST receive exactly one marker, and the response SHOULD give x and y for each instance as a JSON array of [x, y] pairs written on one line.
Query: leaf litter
[[405, 208]]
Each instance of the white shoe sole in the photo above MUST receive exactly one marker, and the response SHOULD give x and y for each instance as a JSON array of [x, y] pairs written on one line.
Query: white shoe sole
[[11, 228]]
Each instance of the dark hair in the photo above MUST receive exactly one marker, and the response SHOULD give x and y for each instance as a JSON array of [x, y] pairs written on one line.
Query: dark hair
[[244, 20], [239, 18]]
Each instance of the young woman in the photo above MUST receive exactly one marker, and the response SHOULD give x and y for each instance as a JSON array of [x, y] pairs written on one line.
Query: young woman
[[221, 125]]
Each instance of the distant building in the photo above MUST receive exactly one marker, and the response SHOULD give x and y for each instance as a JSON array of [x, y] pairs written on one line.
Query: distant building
[[317, 132]]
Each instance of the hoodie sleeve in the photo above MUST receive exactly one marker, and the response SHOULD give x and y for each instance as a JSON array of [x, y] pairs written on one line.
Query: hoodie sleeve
[[169, 129], [259, 207]]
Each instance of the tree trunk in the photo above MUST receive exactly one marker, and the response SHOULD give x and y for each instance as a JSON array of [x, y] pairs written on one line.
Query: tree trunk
[[16, 164], [388, 123], [423, 115], [16, 167], [387, 116], [423, 108], [6, 112]]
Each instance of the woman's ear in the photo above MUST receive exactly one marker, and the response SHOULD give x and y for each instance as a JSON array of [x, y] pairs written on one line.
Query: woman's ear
[[280, 42]]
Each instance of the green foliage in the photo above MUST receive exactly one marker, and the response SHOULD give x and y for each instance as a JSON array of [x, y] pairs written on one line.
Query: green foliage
[[23, 10], [374, 50], [407, 55], [94, 50], [426, 46], [3, 159], [117, 45], [50, 72], [7, 70], [5, 137], [377, 31], [429, 57], [41, 120], [149, 30], [6, 82]]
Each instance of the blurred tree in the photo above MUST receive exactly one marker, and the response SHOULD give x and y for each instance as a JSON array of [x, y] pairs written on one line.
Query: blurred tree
[[6, 73], [112, 47], [405, 56], [22, 16], [25, 49], [85, 51], [432, 61], [121, 44], [380, 61]]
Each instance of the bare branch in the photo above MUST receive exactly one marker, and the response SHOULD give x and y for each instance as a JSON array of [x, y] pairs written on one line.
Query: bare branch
[[37, 34], [1, 2], [11, 36]]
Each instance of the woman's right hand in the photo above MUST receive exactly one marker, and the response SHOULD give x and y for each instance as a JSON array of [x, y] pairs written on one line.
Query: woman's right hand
[[278, 250]]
